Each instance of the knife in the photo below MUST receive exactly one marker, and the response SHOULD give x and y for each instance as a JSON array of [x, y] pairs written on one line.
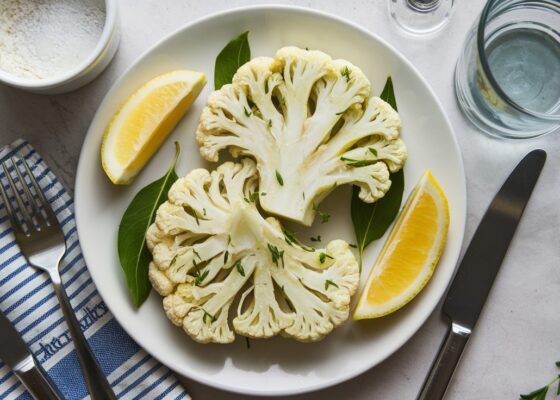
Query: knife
[[479, 268], [15, 353]]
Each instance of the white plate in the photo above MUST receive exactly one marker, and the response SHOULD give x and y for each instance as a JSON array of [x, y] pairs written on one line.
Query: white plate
[[276, 366]]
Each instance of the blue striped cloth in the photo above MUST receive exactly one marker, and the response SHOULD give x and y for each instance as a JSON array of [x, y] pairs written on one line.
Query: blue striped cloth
[[28, 300]]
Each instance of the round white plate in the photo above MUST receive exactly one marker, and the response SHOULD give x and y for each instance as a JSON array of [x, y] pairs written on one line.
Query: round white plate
[[276, 366]]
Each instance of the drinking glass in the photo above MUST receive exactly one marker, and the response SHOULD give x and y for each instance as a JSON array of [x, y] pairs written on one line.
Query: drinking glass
[[507, 79], [420, 17]]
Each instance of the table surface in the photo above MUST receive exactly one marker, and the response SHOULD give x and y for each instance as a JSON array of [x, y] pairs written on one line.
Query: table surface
[[515, 344]]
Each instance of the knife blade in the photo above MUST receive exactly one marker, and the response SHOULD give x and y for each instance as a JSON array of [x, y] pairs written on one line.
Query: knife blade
[[16, 354], [478, 269]]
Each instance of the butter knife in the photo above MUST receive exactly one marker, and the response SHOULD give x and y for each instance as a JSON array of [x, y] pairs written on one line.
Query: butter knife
[[16, 354], [479, 268]]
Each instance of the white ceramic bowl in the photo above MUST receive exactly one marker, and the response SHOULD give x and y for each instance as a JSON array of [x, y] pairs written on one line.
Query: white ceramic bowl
[[82, 73]]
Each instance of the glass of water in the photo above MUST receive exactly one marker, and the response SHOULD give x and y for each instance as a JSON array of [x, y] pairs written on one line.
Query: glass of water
[[507, 79]]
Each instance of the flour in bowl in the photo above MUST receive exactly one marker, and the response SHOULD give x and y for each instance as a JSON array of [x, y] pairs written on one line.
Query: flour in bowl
[[42, 39]]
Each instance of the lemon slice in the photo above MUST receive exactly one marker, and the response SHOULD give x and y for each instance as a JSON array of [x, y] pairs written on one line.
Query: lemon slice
[[145, 120], [410, 255]]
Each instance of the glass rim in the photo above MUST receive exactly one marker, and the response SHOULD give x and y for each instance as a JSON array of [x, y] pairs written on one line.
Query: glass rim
[[490, 5]]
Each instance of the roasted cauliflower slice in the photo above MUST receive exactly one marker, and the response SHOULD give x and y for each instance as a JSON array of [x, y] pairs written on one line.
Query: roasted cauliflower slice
[[310, 124], [212, 249]]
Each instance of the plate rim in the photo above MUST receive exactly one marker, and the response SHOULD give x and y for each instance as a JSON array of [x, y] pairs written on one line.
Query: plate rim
[[201, 378]]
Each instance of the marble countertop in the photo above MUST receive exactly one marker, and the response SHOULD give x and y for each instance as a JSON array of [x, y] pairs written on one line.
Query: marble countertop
[[515, 344]]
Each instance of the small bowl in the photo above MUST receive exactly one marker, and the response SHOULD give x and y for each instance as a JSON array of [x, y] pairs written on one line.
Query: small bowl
[[83, 73]]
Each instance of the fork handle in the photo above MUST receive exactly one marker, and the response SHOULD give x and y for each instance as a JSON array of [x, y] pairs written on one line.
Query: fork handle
[[96, 382]]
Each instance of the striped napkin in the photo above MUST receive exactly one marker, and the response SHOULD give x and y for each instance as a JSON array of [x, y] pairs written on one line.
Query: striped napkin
[[28, 300]]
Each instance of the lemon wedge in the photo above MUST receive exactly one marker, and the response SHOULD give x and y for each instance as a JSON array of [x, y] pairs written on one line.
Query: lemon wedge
[[410, 255], [144, 121]]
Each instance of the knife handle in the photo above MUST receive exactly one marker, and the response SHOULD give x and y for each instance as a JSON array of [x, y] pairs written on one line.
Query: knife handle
[[445, 362], [36, 380]]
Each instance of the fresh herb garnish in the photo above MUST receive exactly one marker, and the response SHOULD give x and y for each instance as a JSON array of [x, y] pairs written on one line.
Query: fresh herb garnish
[[355, 246], [324, 256], [226, 255], [289, 236], [276, 254], [315, 239], [253, 196], [240, 268], [270, 123], [234, 55], [540, 394], [345, 72], [328, 283], [373, 151], [323, 215], [357, 163], [207, 315], [196, 254], [134, 255], [173, 261], [200, 278], [279, 178], [247, 112], [371, 221]]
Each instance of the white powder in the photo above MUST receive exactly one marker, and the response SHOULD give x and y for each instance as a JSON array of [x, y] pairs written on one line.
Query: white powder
[[44, 38]]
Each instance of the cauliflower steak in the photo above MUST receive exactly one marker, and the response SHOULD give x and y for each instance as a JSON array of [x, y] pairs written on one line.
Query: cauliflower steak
[[310, 124], [213, 250]]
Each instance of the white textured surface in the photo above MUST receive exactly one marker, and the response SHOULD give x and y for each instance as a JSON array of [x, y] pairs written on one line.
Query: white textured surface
[[516, 341]]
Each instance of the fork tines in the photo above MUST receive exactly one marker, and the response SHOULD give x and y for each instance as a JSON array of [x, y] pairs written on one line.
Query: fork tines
[[24, 200]]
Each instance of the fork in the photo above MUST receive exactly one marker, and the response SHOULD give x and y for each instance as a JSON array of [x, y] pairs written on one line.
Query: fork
[[41, 240]]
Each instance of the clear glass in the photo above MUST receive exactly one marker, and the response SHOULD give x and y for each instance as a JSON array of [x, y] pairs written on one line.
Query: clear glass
[[507, 79], [420, 17]]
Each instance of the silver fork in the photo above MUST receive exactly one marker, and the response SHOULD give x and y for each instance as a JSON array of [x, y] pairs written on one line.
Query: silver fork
[[42, 242]]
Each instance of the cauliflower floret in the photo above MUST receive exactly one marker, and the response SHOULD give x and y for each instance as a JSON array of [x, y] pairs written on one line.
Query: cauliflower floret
[[310, 124], [212, 249]]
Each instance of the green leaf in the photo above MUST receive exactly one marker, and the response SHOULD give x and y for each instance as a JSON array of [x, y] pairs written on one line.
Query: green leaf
[[388, 93], [134, 255], [236, 53], [240, 268], [539, 394], [328, 283], [371, 221]]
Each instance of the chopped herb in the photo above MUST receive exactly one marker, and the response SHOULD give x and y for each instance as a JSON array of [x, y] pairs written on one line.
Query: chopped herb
[[200, 278], [345, 72], [173, 260], [263, 194], [276, 254], [373, 151], [266, 87], [252, 197], [207, 314], [355, 246], [196, 217], [247, 112], [324, 256], [196, 254], [357, 163], [307, 48], [315, 239], [289, 236], [270, 123], [279, 178], [323, 215], [229, 239], [240, 268], [226, 255], [328, 283]]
